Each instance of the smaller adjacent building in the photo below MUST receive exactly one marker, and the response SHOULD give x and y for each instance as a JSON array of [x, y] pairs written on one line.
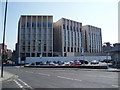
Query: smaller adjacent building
[[67, 37], [7, 52], [92, 39], [115, 54]]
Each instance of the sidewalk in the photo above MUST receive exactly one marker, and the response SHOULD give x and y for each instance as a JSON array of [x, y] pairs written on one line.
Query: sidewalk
[[7, 76]]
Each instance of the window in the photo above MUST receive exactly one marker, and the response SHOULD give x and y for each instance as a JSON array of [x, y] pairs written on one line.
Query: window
[[63, 26], [33, 54], [33, 24], [64, 49], [34, 31], [28, 42], [68, 49], [49, 24], [23, 48], [33, 48], [71, 49], [45, 31], [28, 24], [39, 31], [29, 30], [45, 48], [50, 31], [39, 48], [39, 24], [23, 25], [71, 27], [28, 48], [28, 36], [44, 24], [67, 27]]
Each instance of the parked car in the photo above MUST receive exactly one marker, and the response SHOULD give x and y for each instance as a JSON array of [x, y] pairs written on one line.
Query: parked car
[[84, 62], [94, 62], [76, 62], [67, 63]]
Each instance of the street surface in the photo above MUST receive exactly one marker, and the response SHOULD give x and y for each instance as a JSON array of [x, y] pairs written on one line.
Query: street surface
[[60, 78]]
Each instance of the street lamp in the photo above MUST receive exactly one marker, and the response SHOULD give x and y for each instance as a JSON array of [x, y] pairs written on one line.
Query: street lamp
[[3, 49]]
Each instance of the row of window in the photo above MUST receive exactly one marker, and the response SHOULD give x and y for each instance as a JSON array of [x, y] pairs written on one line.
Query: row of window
[[38, 49], [34, 31], [39, 24], [35, 55], [39, 42], [36, 37], [71, 49], [71, 28]]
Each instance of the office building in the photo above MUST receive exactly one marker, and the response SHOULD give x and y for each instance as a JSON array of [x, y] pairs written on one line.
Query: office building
[[92, 39], [67, 37], [35, 36]]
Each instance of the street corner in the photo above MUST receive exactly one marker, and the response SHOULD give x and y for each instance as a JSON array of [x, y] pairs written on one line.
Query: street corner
[[8, 77]]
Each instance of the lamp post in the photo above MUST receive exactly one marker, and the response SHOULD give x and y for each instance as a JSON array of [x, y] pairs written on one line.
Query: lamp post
[[3, 49]]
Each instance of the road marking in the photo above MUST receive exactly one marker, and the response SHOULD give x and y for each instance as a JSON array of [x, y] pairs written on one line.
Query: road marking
[[101, 76], [18, 84], [30, 72], [25, 84], [69, 78], [115, 86], [44, 74]]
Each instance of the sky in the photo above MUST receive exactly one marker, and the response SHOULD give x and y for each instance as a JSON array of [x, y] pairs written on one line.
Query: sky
[[96, 13]]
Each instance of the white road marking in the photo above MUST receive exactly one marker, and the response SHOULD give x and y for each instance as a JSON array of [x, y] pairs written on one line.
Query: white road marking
[[30, 72], [44, 74], [25, 83], [69, 78], [101, 76], [115, 86], [18, 84]]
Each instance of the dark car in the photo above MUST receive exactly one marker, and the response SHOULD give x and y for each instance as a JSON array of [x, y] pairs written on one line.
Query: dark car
[[84, 62]]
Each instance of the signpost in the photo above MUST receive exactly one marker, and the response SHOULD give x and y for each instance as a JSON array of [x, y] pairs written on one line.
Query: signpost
[[3, 48]]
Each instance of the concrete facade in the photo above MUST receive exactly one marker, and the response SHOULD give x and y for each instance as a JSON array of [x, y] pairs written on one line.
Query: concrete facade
[[67, 37], [35, 36], [92, 39]]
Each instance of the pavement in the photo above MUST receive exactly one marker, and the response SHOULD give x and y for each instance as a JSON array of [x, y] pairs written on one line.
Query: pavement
[[7, 76]]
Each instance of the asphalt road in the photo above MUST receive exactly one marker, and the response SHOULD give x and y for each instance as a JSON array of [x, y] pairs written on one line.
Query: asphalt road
[[61, 78]]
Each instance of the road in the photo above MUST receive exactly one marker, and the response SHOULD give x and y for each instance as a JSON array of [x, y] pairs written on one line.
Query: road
[[60, 78]]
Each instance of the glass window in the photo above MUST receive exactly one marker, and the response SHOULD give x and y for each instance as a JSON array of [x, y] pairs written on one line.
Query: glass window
[[28, 36], [28, 48], [33, 48], [49, 24], [45, 48], [39, 24], [34, 24], [39, 30], [45, 31], [28, 24], [63, 26], [44, 24], [34, 31], [50, 31], [67, 27], [29, 30], [23, 25]]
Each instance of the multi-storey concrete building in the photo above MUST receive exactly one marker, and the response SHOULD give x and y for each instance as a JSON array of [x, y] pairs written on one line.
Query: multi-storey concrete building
[[67, 37], [92, 39], [35, 36]]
